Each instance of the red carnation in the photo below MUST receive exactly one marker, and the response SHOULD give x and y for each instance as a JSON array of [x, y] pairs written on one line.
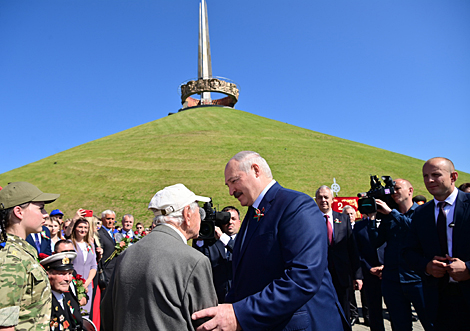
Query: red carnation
[[42, 256]]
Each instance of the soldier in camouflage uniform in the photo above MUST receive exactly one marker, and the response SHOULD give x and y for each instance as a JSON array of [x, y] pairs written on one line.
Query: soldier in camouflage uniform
[[25, 293]]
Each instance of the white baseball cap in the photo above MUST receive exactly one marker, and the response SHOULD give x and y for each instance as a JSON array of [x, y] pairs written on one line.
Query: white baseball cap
[[172, 199]]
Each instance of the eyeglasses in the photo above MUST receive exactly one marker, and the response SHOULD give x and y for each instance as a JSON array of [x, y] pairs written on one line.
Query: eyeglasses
[[140, 227]]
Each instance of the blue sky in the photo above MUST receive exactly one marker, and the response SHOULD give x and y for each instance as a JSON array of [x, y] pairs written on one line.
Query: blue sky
[[391, 74]]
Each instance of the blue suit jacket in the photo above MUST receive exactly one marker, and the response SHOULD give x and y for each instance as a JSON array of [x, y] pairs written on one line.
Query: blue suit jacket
[[281, 279], [422, 244], [45, 243]]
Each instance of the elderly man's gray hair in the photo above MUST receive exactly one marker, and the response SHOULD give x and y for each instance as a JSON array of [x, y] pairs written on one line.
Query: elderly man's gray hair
[[128, 215], [247, 158], [345, 208], [323, 187], [107, 212], [175, 217]]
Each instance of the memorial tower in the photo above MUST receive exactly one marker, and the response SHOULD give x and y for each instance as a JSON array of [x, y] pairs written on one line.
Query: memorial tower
[[205, 82]]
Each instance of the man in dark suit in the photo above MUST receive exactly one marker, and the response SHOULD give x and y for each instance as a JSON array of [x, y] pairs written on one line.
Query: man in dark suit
[[372, 265], [219, 251], [281, 279], [343, 257], [438, 247], [108, 218], [41, 241], [401, 286], [160, 281], [65, 313]]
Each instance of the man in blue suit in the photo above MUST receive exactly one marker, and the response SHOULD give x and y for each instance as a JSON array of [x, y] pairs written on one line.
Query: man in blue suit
[[41, 241], [438, 247], [281, 279]]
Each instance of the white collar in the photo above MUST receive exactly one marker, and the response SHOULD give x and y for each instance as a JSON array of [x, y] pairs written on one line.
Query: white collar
[[178, 231], [261, 196], [450, 199]]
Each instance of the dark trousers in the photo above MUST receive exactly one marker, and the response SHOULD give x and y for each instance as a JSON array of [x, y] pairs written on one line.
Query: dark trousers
[[373, 294], [343, 298], [453, 311], [398, 297], [353, 306]]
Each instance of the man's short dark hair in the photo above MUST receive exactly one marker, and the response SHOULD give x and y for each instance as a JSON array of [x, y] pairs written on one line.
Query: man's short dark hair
[[464, 186], [228, 208], [62, 242]]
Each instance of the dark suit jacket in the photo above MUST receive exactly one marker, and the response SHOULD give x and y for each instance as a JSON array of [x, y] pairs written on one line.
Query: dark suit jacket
[[108, 248], [221, 267], [281, 279], [422, 244], [158, 284], [343, 256], [73, 319], [369, 255], [45, 243]]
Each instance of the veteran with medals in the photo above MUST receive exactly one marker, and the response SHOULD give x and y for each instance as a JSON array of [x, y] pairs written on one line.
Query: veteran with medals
[[65, 309]]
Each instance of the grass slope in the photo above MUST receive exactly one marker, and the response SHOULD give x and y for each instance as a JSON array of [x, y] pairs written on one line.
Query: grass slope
[[123, 171]]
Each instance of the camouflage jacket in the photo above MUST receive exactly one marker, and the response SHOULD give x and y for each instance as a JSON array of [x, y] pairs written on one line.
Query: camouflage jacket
[[25, 292]]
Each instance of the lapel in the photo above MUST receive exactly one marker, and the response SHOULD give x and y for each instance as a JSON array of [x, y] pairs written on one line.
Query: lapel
[[106, 236], [429, 223], [249, 218], [460, 217], [336, 226], [221, 248]]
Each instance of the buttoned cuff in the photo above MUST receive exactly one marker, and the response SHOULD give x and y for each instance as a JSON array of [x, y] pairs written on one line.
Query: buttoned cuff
[[224, 238]]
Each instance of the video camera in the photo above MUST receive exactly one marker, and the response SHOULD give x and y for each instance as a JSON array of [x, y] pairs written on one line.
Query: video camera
[[212, 219], [367, 204]]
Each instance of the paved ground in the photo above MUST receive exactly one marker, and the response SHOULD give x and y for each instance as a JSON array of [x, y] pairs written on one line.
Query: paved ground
[[361, 327]]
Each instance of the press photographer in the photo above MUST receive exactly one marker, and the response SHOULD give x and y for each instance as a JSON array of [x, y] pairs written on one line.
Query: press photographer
[[401, 286], [218, 248]]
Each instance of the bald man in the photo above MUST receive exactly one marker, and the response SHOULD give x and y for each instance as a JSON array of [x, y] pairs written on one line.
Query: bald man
[[401, 286], [437, 246]]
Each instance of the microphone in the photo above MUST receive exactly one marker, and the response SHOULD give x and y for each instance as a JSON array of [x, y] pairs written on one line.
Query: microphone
[[452, 224]]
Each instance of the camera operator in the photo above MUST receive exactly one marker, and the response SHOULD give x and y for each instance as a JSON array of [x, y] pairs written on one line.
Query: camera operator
[[219, 252], [400, 285]]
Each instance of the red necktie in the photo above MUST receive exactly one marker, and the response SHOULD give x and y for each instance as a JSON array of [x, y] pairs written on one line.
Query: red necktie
[[329, 230]]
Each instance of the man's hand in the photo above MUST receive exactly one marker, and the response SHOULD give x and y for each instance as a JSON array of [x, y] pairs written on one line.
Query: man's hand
[[457, 269], [82, 302], [377, 271], [382, 207], [99, 253], [357, 284], [222, 318], [437, 267], [217, 233]]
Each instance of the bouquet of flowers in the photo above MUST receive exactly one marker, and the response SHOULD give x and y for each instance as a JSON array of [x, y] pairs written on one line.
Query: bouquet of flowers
[[122, 246], [79, 284]]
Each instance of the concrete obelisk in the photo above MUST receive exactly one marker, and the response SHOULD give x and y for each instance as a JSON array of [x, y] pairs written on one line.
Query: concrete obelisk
[[204, 56]]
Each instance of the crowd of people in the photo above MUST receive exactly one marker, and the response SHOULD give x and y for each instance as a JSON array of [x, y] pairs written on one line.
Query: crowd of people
[[294, 263]]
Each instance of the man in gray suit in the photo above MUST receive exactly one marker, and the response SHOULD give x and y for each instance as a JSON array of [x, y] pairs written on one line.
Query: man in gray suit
[[160, 281]]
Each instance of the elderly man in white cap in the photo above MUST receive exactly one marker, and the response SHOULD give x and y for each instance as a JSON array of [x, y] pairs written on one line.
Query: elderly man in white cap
[[160, 281]]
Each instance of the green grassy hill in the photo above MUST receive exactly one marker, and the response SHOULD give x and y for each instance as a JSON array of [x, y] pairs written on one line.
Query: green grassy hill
[[123, 171]]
